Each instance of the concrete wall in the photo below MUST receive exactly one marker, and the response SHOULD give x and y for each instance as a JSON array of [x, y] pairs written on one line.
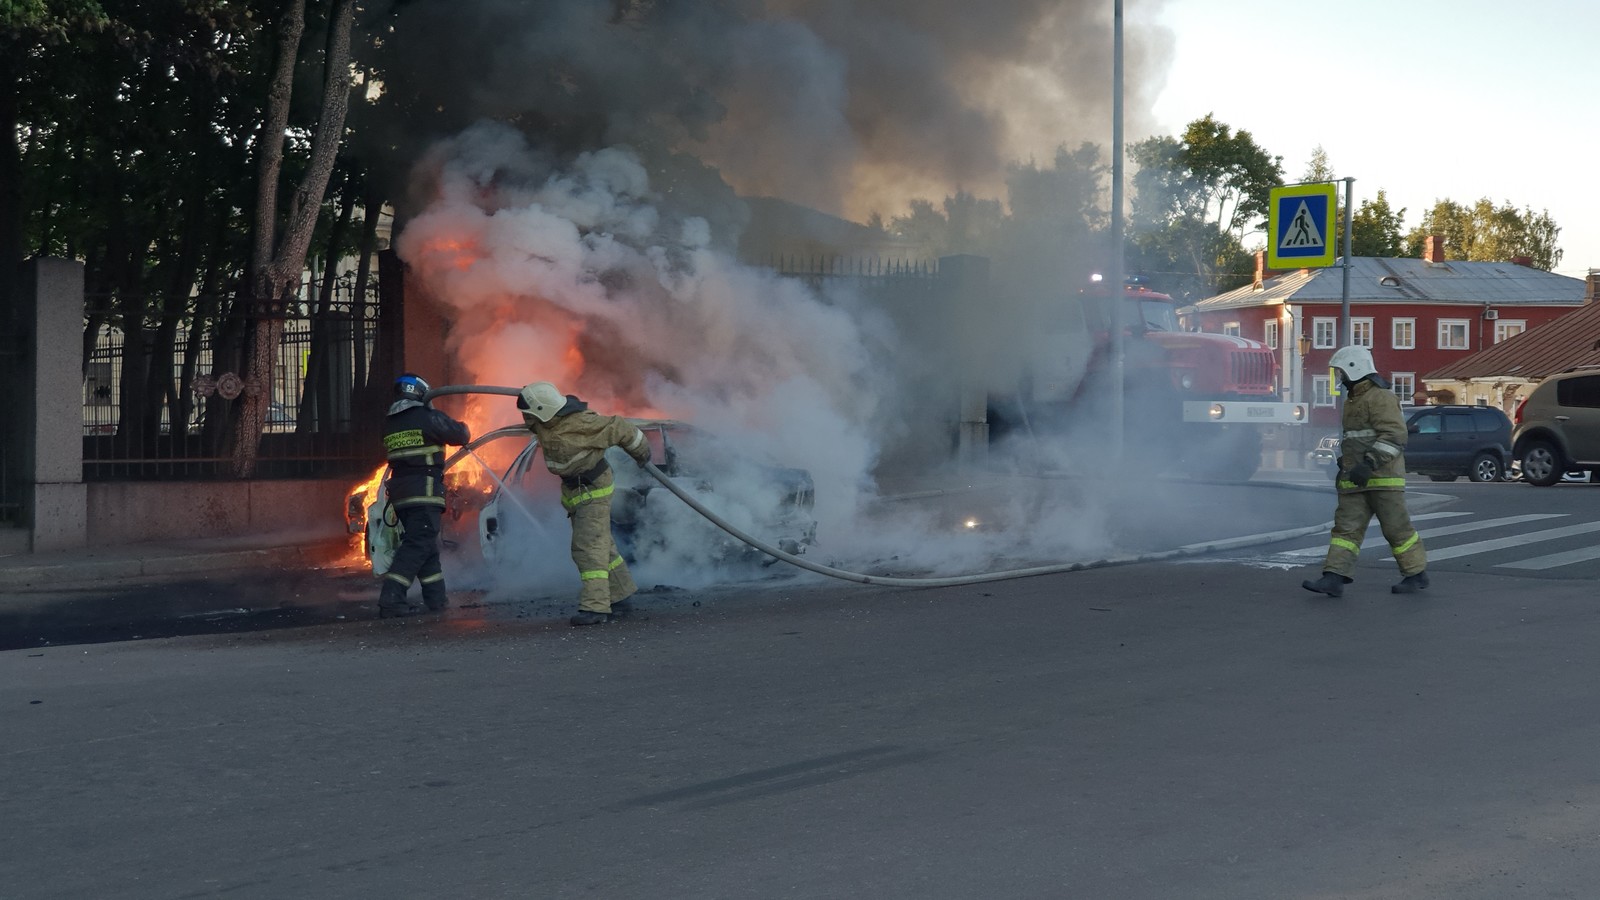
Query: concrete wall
[[130, 512]]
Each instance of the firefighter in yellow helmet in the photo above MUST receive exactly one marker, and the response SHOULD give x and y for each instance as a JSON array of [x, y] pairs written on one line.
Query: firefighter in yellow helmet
[[575, 439], [1371, 479]]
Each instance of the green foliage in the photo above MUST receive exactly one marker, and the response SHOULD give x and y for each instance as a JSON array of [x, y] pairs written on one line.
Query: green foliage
[[1376, 229], [1194, 198], [1485, 232], [1319, 168]]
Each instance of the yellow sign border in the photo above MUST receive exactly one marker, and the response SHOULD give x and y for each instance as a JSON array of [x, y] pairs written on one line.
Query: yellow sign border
[[1330, 242]]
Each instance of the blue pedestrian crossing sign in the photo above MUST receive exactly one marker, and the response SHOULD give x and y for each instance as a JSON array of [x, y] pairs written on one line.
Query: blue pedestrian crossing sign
[[1300, 222]]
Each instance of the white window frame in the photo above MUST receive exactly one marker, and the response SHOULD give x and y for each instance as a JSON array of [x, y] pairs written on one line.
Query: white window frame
[[1410, 378], [1320, 385], [1269, 334], [1409, 342], [1357, 326], [1501, 325], [1445, 326], [1324, 333], [1231, 329]]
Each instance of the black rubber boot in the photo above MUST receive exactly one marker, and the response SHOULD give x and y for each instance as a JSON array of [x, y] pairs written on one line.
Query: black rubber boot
[[392, 602], [585, 617], [620, 608], [1411, 584], [1330, 583], [434, 597]]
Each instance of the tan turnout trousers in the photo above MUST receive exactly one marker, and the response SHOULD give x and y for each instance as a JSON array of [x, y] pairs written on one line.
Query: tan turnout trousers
[[605, 576]]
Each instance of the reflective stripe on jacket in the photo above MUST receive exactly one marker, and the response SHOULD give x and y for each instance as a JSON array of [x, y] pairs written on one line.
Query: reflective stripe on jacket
[[1374, 433], [413, 440]]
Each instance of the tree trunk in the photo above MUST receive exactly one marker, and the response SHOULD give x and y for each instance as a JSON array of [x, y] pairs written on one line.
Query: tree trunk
[[275, 279], [316, 401]]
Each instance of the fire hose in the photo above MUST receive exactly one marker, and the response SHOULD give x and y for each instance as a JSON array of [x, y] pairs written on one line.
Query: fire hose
[[892, 581]]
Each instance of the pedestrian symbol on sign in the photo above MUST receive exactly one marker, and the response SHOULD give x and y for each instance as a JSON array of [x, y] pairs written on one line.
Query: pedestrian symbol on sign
[[1302, 232]]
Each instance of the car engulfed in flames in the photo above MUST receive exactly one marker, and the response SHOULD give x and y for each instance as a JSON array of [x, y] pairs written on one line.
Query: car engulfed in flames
[[773, 502]]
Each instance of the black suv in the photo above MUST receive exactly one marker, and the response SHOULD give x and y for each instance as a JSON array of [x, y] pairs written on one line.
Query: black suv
[[1447, 442]]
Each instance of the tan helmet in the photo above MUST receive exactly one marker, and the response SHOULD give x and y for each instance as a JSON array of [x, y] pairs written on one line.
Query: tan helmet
[[542, 400]]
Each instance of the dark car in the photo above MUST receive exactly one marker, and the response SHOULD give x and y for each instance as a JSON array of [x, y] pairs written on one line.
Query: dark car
[[1447, 442], [1326, 453]]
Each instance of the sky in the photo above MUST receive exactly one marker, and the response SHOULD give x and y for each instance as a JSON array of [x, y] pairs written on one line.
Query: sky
[[1425, 99]]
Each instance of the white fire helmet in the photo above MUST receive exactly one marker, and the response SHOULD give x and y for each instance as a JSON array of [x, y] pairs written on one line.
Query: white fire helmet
[[542, 400], [1353, 364]]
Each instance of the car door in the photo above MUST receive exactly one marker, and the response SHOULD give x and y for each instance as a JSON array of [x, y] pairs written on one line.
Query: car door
[[1425, 436], [1579, 417], [1458, 439]]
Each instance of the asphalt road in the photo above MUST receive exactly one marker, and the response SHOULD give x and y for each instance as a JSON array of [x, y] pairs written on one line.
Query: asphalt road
[[1180, 729]]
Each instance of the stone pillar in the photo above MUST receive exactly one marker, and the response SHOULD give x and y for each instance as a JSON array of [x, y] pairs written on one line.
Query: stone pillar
[[56, 499]]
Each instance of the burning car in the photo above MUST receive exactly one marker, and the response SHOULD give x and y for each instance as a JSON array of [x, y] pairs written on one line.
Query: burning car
[[772, 502]]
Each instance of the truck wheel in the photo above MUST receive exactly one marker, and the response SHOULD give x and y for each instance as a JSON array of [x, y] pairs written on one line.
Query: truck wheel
[[1540, 464], [1486, 467]]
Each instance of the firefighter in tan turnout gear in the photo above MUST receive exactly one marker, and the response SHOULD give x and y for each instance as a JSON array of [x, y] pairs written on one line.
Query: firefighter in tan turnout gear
[[1371, 479], [575, 439]]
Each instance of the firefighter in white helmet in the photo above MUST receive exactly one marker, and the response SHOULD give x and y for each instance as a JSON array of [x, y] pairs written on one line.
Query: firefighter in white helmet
[[575, 439], [1371, 479]]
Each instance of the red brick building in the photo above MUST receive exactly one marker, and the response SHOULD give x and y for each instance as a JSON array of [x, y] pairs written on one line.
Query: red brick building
[[1417, 315]]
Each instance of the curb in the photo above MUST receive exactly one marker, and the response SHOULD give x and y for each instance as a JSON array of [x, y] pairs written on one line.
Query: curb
[[93, 571]]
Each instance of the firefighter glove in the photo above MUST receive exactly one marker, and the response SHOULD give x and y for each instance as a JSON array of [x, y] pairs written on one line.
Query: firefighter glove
[[1361, 474]]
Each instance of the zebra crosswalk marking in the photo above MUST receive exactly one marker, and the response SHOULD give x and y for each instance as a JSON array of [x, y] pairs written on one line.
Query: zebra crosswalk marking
[[1582, 554], [1518, 540], [1445, 531]]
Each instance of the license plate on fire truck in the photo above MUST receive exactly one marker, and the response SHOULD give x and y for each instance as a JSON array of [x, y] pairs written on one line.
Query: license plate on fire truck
[[1245, 412]]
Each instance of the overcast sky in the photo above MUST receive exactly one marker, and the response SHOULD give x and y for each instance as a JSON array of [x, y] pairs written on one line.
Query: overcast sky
[[1426, 99]]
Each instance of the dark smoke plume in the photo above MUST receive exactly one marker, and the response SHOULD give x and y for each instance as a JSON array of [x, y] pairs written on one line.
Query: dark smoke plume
[[844, 105]]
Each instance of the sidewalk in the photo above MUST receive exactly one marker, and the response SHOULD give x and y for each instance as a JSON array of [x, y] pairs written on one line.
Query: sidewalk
[[172, 559]]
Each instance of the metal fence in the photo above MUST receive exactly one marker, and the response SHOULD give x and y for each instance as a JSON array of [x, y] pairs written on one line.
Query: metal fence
[[160, 386]]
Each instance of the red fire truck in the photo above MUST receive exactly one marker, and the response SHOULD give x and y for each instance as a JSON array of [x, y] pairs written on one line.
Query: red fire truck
[[1195, 404]]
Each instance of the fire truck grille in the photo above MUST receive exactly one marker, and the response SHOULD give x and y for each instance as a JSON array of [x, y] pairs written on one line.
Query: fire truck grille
[[1252, 372]]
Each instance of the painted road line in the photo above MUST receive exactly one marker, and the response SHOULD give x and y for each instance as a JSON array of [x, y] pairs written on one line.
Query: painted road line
[[1583, 554], [1378, 540], [1519, 540]]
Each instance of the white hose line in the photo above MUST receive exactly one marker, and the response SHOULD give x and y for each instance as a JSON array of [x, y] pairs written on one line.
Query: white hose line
[[889, 581]]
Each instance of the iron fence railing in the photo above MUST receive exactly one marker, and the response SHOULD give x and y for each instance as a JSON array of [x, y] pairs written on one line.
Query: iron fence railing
[[161, 387]]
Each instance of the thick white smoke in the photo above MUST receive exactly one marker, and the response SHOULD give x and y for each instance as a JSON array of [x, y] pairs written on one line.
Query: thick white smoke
[[573, 276]]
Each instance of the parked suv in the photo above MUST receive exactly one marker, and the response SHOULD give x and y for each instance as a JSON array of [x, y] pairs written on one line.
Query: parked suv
[[1558, 427], [1446, 442]]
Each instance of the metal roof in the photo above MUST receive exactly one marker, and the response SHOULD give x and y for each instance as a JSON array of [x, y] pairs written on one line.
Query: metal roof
[[1388, 281], [1570, 341]]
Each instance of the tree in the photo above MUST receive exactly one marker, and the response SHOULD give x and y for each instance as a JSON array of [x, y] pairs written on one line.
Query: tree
[[1485, 232], [1376, 229], [279, 254], [27, 28], [1318, 168], [1194, 198]]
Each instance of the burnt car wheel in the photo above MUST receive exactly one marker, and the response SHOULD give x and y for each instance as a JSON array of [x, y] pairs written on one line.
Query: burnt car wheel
[[1486, 467], [1540, 465]]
